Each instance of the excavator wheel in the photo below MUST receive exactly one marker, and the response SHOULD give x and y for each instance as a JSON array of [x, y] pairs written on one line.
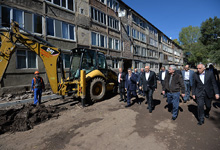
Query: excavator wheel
[[97, 89]]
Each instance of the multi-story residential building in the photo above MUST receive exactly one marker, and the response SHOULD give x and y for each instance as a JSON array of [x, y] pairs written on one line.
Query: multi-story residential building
[[129, 40]]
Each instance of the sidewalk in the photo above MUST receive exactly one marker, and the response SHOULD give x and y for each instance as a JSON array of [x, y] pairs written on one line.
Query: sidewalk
[[30, 100]]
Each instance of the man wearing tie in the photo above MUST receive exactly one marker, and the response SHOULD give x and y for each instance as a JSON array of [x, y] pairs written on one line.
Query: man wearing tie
[[173, 83], [149, 82], [188, 82], [130, 86], [121, 85], [203, 90]]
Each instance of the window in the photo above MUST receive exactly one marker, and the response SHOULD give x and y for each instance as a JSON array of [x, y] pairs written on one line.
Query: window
[[103, 1], [98, 16], [143, 51], [117, 45], [66, 60], [115, 63], [134, 33], [18, 17], [113, 23], [110, 43], [5, 14], [151, 65], [153, 42], [98, 40], [68, 4], [113, 4], [60, 29], [101, 61], [26, 59]]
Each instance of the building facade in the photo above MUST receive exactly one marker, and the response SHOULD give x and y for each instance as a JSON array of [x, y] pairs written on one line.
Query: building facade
[[129, 40]]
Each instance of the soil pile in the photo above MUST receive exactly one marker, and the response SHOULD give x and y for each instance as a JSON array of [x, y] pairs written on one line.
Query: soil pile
[[25, 118]]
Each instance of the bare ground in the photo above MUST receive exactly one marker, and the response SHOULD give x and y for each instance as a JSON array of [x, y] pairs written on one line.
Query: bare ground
[[108, 125]]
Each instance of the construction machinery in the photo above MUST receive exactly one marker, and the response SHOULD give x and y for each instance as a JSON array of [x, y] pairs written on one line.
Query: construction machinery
[[89, 76]]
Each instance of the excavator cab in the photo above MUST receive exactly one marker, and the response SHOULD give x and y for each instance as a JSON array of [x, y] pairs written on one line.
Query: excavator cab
[[88, 60]]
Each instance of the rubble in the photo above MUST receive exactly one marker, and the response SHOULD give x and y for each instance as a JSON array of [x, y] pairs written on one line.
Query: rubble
[[27, 117]]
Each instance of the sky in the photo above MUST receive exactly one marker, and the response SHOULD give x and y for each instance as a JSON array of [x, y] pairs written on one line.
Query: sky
[[170, 16]]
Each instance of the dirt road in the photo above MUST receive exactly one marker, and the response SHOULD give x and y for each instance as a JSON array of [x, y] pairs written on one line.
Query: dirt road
[[108, 125]]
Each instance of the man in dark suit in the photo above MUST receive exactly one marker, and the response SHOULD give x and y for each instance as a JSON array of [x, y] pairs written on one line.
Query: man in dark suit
[[149, 82], [162, 75], [188, 82], [203, 90], [130, 86], [121, 85]]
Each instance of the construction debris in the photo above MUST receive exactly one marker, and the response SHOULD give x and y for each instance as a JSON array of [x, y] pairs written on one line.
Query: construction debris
[[27, 117]]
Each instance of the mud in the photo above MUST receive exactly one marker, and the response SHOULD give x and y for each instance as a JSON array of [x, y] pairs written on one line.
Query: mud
[[26, 117]]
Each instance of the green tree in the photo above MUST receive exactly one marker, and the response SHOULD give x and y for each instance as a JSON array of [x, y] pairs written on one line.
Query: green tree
[[188, 36], [210, 38]]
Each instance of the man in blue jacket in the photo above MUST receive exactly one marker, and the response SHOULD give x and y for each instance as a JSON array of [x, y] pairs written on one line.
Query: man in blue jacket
[[188, 82], [37, 87], [130, 86]]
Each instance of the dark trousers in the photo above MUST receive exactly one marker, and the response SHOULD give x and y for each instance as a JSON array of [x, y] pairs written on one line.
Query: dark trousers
[[149, 98], [201, 101], [129, 92], [122, 92], [187, 90], [162, 83]]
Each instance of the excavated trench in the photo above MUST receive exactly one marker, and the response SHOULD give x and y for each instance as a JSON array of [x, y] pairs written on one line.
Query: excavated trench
[[25, 118]]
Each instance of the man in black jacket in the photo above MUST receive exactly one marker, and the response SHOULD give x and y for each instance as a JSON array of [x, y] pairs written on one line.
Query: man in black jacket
[[149, 82], [121, 85], [173, 83], [203, 90]]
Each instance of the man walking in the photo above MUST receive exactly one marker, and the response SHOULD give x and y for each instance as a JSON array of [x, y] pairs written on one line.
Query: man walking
[[173, 83], [121, 85], [162, 76], [37, 87], [203, 90], [188, 82], [149, 82], [138, 83], [130, 86]]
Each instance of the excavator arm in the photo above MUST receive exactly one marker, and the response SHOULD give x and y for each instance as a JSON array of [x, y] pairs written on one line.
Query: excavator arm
[[48, 53]]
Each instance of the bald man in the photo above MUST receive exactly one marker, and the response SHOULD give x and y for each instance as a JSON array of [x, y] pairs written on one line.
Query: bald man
[[188, 82], [203, 90]]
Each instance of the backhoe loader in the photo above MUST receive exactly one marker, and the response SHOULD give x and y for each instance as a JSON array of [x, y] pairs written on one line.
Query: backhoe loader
[[89, 76]]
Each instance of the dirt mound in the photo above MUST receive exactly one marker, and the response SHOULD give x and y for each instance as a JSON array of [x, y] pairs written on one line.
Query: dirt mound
[[25, 118]]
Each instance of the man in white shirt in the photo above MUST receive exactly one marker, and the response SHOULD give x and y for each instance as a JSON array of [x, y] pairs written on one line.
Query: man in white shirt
[[203, 90], [188, 82], [162, 76]]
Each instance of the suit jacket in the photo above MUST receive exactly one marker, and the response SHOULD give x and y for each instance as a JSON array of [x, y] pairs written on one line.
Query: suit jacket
[[191, 73], [150, 83], [160, 75], [137, 75], [122, 82], [210, 86], [176, 83], [131, 84], [215, 72]]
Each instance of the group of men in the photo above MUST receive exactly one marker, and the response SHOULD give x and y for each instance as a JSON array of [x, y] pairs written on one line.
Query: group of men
[[174, 83]]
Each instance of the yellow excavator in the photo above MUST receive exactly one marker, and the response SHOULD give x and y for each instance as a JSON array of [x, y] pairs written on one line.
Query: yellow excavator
[[89, 76]]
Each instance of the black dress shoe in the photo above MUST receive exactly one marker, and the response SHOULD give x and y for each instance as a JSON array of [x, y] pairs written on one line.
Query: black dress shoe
[[150, 110], [174, 118], [200, 123], [128, 105], [207, 115]]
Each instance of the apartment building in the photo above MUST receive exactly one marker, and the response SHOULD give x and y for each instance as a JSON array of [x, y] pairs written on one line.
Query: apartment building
[[129, 40]]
